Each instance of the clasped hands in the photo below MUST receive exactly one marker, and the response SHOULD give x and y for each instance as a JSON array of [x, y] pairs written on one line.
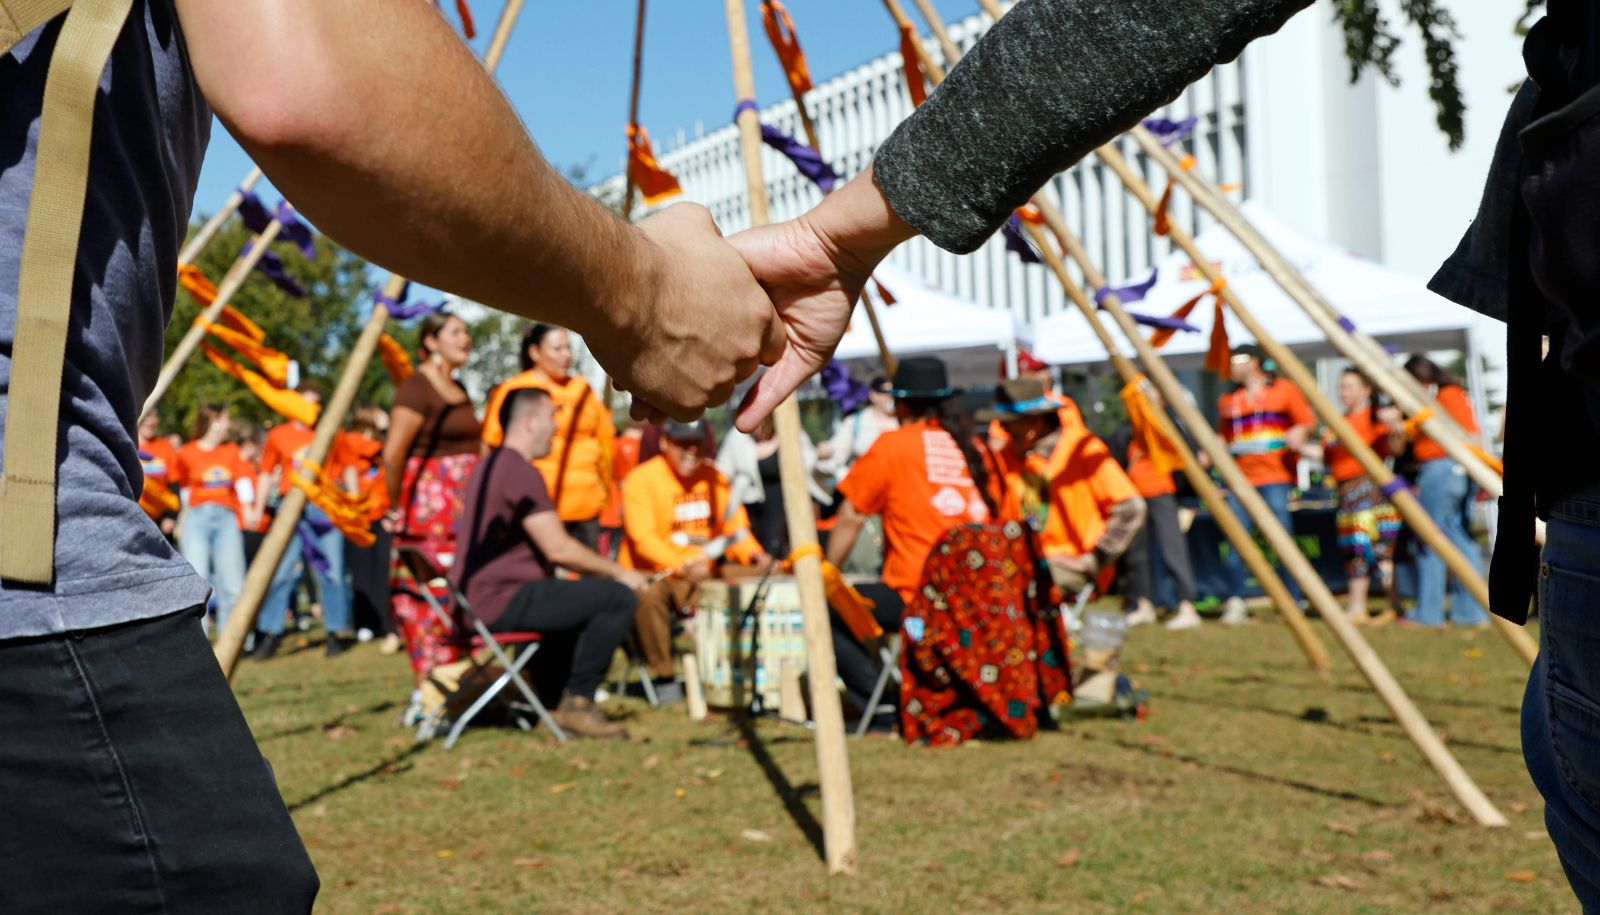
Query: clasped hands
[[713, 310]]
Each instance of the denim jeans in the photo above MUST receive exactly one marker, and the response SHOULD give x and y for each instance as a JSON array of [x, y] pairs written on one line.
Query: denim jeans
[[132, 782], [1277, 498], [1561, 711], [213, 544], [1445, 491], [334, 585]]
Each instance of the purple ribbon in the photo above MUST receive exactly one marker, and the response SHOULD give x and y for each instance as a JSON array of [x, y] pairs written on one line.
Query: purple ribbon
[[271, 266], [1348, 325], [1016, 244], [404, 311], [1164, 322], [292, 230], [807, 160], [1133, 292], [1169, 131], [743, 106], [253, 212], [845, 391], [309, 547], [1394, 487]]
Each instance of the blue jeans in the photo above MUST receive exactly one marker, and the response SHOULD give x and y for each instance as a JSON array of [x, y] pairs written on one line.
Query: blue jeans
[[1445, 491], [212, 543], [1561, 711], [1277, 498], [334, 585]]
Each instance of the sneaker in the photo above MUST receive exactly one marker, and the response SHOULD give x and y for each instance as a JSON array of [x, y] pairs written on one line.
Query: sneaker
[[1143, 616], [1235, 613], [336, 647], [668, 692], [1186, 618], [1384, 617], [580, 717], [364, 634], [266, 646], [391, 644]]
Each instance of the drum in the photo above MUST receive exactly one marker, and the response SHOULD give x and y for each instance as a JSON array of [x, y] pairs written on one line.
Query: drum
[[727, 671]]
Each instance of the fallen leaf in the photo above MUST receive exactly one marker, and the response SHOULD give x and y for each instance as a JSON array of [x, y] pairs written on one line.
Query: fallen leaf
[[1387, 758], [1438, 814], [1142, 897], [1343, 829], [563, 787], [579, 763], [445, 852], [651, 761], [1141, 668], [1376, 860], [1339, 882], [516, 772], [1517, 807], [1070, 858], [337, 731], [624, 873], [714, 773], [531, 864], [1037, 804], [680, 793], [1054, 776], [1536, 835], [1473, 652], [756, 835], [1521, 876], [321, 810], [1443, 895]]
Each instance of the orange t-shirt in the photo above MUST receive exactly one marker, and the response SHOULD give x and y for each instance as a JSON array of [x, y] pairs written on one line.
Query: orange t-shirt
[[578, 468], [1149, 481], [1256, 429], [1068, 496], [667, 521], [916, 478], [1342, 465], [1454, 401], [209, 476], [287, 446]]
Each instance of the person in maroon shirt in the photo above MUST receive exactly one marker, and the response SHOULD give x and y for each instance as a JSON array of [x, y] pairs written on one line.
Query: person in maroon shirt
[[511, 539]]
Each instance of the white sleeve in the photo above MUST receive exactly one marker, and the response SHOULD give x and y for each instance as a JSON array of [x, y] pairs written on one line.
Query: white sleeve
[[246, 490]]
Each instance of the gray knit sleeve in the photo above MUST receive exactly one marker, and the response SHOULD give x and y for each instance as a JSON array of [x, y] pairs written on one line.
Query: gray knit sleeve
[[1050, 82]]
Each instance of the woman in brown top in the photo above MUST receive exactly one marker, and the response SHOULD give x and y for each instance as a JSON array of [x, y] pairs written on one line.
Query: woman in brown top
[[427, 459]]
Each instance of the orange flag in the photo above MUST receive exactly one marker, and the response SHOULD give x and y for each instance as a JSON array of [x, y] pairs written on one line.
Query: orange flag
[[1217, 357], [274, 365], [785, 41], [908, 55], [395, 359], [287, 403], [854, 608], [350, 514], [653, 181], [1161, 337], [1163, 225], [235, 319], [1141, 416], [194, 280]]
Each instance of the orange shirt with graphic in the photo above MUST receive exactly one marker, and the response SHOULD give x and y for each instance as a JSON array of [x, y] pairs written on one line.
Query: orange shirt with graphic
[[1256, 428], [1149, 481], [1068, 496], [209, 476], [667, 521], [287, 446], [578, 468], [1342, 465], [156, 459], [916, 478], [1454, 401]]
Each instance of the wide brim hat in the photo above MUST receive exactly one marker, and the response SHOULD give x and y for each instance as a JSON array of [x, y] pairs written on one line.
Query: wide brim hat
[[922, 378], [1018, 398], [684, 432]]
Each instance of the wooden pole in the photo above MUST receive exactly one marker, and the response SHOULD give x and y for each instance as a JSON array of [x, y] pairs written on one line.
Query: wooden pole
[[242, 619], [231, 284], [1369, 357], [202, 238], [1251, 554], [1371, 464], [633, 107], [929, 65], [1366, 660], [833, 760], [940, 33]]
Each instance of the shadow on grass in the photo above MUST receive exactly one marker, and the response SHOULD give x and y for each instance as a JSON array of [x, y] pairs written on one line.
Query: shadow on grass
[[393, 765], [1318, 716], [313, 727], [793, 796]]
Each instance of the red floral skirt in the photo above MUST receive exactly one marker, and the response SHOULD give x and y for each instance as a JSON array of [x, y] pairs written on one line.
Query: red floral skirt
[[437, 487]]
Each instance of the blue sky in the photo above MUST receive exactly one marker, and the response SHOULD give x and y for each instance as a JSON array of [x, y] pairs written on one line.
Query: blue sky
[[567, 70]]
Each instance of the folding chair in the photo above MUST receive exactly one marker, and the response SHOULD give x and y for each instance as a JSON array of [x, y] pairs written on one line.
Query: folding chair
[[523, 646], [633, 666], [889, 653]]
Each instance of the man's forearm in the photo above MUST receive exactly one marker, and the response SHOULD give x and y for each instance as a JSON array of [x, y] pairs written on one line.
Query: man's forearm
[[467, 204], [846, 529]]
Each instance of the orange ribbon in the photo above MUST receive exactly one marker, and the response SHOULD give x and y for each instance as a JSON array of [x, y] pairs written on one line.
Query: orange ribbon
[[274, 365], [1163, 335], [395, 359], [1030, 214], [785, 41], [914, 78], [158, 500], [352, 515], [1163, 224], [853, 607], [653, 181], [1414, 424], [195, 282], [1141, 416], [288, 404], [1488, 459], [1218, 356]]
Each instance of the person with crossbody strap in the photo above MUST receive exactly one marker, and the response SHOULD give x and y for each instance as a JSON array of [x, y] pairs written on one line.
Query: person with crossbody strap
[[129, 761]]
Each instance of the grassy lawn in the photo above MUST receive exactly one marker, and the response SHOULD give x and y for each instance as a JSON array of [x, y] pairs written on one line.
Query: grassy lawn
[[1255, 786]]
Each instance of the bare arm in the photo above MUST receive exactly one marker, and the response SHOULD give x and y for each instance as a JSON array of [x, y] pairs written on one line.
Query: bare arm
[[846, 528], [404, 424], [376, 121], [550, 536]]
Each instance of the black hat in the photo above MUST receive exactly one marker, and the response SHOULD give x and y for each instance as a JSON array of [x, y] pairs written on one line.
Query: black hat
[[922, 378], [1250, 349], [684, 432], [1016, 399]]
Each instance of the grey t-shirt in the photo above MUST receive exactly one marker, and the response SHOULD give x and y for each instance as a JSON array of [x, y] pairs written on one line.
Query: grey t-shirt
[[150, 130]]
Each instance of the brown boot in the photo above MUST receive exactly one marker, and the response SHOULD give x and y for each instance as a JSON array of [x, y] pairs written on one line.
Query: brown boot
[[580, 717]]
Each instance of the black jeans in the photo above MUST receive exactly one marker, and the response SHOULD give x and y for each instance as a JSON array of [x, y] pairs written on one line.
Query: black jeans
[[369, 582], [1161, 539], [130, 782], [598, 613], [859, 668]]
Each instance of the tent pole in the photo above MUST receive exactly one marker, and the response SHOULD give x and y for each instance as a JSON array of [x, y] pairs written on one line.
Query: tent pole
[[633, 108]]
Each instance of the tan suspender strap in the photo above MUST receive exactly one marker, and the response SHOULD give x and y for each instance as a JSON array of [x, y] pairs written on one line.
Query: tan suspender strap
[[19, 18], [44, 290]]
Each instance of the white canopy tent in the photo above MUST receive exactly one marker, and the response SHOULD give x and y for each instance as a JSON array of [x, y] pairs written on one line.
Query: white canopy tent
[[924, 321], [1394, 307]]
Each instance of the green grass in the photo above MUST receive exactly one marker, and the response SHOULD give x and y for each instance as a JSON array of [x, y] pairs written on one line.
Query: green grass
[[1255, 786]]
